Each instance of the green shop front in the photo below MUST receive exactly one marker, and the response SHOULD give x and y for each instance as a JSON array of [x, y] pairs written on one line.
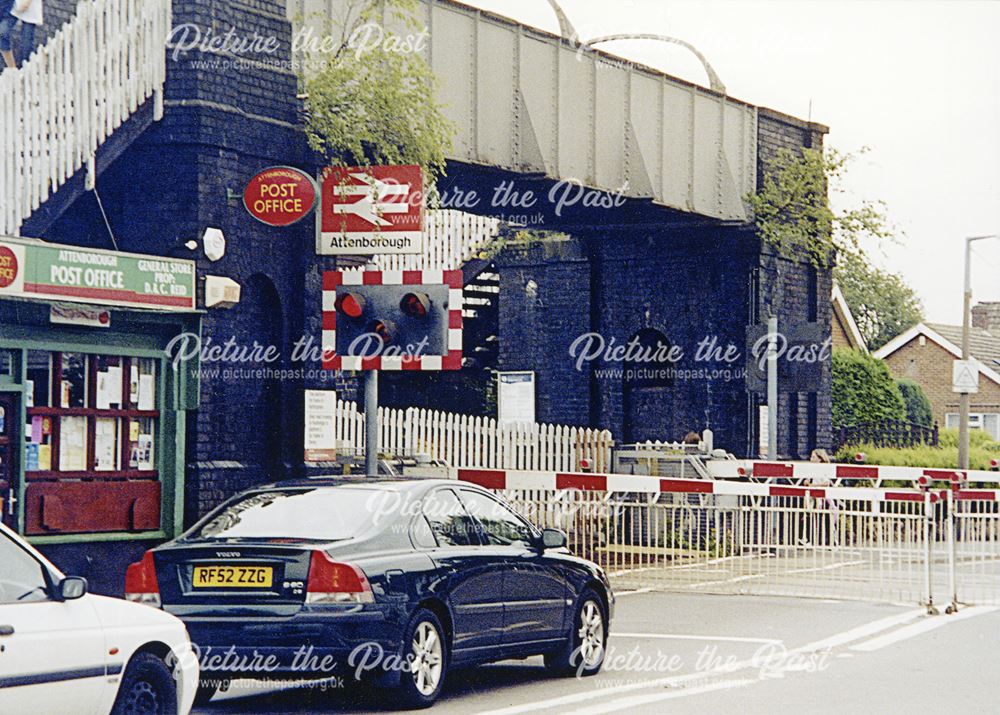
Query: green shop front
[[92, 407]]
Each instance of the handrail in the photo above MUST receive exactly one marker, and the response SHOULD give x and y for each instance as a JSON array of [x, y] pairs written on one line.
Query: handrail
[[72, 94], [451, 239]]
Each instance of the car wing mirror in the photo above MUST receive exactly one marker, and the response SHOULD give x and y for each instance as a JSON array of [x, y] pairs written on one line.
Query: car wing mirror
[[553, 539], [72, 588]]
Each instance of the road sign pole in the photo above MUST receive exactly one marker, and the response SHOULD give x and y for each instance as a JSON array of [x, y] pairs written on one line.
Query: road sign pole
[[772, 388], [963, 398], [371, 423]]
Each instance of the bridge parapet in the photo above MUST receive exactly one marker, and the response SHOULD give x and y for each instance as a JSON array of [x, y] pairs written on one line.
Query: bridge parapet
[[530, 102]]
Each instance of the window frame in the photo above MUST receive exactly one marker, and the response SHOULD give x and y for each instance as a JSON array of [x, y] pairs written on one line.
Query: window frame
[[979, 417], [475, 536], [483, 532], [124, 415]]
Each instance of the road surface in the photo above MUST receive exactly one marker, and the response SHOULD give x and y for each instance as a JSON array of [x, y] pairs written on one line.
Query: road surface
[[696, 653]]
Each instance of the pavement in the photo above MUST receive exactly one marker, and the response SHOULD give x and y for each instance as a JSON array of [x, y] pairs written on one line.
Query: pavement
[[702, 653]]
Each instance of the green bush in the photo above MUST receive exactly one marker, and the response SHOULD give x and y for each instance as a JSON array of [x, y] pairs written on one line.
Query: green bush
[[918, 407], [977, 440], [863, 390], [982, 449]]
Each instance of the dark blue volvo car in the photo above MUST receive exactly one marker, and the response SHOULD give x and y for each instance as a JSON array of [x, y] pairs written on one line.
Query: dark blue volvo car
[[392, 581]]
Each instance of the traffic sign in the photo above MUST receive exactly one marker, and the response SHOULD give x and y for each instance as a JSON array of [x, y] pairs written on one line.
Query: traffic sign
[[369, 210], [965, 377]]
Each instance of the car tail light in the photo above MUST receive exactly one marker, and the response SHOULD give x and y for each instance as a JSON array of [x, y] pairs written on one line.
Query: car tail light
[[141, 585], [334, 582]]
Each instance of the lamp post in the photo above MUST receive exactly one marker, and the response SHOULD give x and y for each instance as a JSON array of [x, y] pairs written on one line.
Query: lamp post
[[963, 398]]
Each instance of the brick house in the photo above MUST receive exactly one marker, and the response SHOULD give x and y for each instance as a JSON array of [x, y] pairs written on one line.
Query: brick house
[[843, 330], [925, 354]]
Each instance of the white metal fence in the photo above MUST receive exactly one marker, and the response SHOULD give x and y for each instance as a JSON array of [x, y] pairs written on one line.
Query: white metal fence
[[72, 94], [451, 239], [467, 441], [940, 549]]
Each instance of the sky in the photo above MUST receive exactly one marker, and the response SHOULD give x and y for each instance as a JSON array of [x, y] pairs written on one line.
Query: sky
[[917, 83]]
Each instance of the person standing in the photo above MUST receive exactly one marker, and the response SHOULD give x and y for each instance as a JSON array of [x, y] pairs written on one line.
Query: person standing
[[29, 12]]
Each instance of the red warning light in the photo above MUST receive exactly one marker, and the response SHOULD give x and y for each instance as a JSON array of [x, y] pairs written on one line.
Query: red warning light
[[351, 304], [415, 305]]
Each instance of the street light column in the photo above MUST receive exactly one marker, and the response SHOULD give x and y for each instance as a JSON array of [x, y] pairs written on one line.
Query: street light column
[[963, 398]]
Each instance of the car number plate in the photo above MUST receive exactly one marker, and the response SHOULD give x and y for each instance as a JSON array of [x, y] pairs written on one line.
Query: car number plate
[[233, 577]]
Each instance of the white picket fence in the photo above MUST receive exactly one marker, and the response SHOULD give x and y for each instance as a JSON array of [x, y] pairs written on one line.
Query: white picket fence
[[77, 89], [467, 441], [451, 238]]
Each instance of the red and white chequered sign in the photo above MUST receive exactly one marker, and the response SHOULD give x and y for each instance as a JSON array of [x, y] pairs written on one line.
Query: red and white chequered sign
[[333, 280]]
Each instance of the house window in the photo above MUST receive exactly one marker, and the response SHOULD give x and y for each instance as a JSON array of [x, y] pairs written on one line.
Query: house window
[[988, 422]]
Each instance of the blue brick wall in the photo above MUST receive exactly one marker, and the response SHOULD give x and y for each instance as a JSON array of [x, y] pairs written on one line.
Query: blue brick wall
[[223, 123], [688, 284]]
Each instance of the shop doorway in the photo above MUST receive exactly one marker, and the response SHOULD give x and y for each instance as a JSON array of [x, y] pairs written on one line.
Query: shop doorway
[[10, 448]]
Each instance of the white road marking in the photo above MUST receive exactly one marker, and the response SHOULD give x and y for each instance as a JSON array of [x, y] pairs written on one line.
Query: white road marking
[[677, 680], [639, 700], [687, 637], [928, 624], [862, 631], [830, 567]]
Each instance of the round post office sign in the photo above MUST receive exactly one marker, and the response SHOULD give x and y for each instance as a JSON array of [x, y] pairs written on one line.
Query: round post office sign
[[280, 196]]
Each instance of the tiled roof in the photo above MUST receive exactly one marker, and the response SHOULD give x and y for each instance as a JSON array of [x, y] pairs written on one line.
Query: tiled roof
[[984, 346]]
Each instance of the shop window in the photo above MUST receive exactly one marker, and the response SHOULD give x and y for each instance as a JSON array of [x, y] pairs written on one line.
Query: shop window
[[73, 390], [108, 382], [142, 384], [72, 444], [39, 379], [104, 423]]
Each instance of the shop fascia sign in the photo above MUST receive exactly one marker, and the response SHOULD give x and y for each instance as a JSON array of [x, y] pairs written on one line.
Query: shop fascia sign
[[38, 270]]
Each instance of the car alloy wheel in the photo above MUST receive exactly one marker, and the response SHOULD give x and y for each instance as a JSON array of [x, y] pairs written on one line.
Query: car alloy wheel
[[427, 658], [591, 634], [583, 652], [425, 654]]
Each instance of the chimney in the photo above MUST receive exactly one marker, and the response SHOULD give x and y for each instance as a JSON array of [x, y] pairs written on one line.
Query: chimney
[[987, 317]]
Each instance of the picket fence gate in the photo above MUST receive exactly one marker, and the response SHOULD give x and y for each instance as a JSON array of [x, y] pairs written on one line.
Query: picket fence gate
[[471, 441]]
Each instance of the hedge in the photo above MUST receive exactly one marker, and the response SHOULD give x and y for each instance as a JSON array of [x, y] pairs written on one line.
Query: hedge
[[918, 407], [863, 390]]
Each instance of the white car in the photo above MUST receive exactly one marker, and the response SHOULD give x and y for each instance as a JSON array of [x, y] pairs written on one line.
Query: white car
[[65, 651]]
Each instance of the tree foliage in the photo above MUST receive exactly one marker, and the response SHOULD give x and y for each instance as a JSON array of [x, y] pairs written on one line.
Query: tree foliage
[[883, 305], [863, 390], [918, 406], [792, 210], [371, 103]]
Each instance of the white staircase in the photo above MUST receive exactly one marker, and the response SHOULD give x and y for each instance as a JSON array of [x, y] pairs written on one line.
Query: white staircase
[[451, 239], [62, 104]]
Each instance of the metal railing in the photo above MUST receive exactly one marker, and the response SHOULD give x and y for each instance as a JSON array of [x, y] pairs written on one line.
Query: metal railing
[[901, 546], [451, 239], [70, 96], [886, 433]]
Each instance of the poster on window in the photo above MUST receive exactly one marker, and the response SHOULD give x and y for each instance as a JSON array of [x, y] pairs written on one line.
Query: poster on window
[[72, 444]]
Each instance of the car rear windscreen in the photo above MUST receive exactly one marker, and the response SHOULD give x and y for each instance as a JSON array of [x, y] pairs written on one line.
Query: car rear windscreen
[[328, 514]]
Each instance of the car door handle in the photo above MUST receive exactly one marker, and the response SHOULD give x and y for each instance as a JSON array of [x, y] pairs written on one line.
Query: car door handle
[[6, 630]]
